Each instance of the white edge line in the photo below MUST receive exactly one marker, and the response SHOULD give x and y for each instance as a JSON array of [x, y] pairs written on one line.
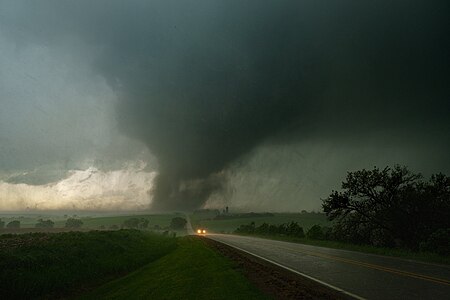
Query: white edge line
[[297, 272]]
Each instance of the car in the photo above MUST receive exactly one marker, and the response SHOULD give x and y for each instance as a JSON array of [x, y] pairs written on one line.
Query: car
[[201, 231]]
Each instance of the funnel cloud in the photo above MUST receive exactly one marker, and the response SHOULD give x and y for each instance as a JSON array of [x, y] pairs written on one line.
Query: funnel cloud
[[209, 85]]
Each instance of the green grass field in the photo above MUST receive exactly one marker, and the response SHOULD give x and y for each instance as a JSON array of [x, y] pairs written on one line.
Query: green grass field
[[55, 264], [305, 220], [192, 271]]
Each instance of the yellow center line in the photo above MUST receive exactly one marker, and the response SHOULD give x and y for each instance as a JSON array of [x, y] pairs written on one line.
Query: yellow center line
[[373, 266]]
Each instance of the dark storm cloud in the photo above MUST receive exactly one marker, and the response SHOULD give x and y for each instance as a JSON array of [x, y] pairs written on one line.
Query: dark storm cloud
[[204, 82]]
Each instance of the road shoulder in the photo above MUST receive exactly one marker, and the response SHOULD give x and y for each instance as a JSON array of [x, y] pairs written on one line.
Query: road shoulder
[[273, 280]]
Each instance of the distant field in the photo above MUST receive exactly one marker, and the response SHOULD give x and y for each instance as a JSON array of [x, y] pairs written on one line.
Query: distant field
[[305, 220], [57, 264], [163, 220], [90, 222], [192, 271], [41, 230], [29, 220]]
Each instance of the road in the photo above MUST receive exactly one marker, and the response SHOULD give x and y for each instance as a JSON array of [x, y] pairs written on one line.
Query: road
[[363, 276]]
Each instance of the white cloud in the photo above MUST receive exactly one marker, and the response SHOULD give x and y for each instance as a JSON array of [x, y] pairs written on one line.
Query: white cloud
[[90, 189]]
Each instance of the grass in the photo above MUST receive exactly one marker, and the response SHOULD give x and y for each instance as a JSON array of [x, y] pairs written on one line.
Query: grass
[[401, 253], [53, 264], [305, 220], [192, 271]]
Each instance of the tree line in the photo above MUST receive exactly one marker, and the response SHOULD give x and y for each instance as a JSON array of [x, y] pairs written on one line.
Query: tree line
[[390, 207]]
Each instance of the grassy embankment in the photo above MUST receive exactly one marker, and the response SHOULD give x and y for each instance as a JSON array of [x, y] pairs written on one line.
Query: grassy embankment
[[43, 264], [307, 221], [192, 271]]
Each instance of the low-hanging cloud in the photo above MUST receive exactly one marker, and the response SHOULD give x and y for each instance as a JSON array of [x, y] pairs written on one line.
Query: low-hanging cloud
[[204, 83], [90, 189]]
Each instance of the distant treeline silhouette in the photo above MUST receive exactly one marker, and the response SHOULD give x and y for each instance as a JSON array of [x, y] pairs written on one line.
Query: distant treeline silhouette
[[243, 215], [289, 229]]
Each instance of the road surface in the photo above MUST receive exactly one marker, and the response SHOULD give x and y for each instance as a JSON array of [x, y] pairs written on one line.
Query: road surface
[[364, 276]]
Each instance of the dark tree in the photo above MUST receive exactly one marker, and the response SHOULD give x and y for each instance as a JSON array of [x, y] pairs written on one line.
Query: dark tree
[[131, 223], [74, 223], [389, 207], [315, 233], [178, 223], [143, 223], [44, 224], [13, 224], [438, 242], [2, 224]]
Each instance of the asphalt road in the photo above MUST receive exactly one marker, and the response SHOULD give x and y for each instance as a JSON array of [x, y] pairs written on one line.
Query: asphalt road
[[364, 276]]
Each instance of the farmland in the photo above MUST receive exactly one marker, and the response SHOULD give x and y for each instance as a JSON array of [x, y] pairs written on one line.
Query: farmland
[[90, 221]]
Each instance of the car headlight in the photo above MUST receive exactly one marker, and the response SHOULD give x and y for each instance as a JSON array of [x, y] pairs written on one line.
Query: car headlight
[[199, 231], [204, 231]]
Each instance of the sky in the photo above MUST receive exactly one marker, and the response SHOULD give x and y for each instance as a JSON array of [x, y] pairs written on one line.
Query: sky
[[256, 105]]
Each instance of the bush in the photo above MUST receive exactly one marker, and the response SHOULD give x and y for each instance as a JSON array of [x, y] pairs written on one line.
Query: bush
[[73, 223], [178, 223], [315, 233], [131, 223], [289, 229], [13, 224], [327, 233], [438, 242], [44, 224], [250, 228], [293, 229], [143, 223], [135, 223]]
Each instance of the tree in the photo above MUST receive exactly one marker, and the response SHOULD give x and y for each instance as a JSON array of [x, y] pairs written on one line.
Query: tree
[[2, 224], [315, 233], [438, 242], [131, 223], [389, 207], [73, 223], [13, 224], [44, 224], [293, 229], [178, 223], [143, 223]]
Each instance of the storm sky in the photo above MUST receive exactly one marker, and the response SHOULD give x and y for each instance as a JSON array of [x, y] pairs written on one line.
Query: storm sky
[[260, 105]]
